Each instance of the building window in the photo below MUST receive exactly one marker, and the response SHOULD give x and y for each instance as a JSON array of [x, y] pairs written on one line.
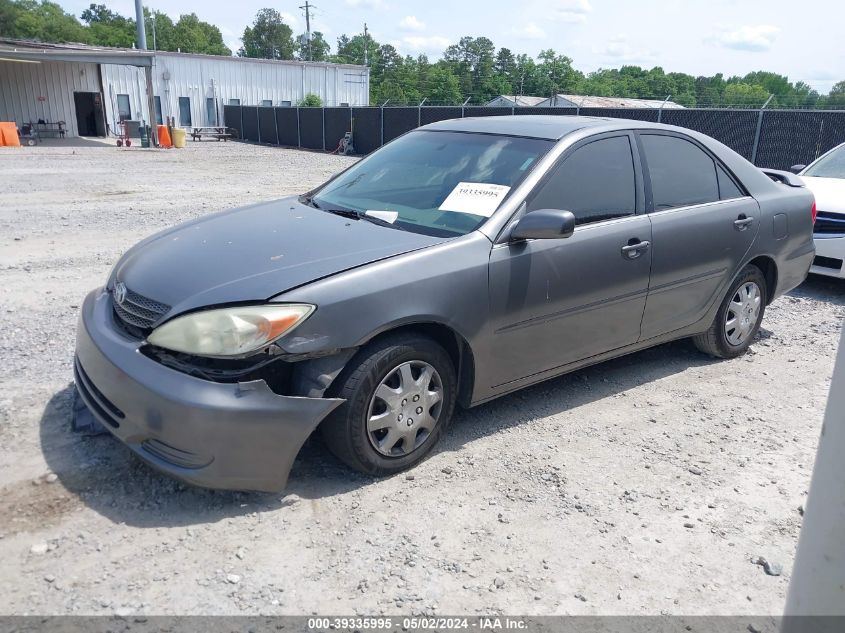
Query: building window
[[185, 111], [211, 110], [266, 103], [159, 116], [234, 102], [284, 104], [124, 111]]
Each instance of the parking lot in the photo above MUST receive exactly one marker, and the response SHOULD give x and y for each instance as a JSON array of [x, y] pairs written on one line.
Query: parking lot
[[642, 485]]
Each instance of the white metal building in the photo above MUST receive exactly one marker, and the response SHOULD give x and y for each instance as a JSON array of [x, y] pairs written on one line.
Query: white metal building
[[51, 83]]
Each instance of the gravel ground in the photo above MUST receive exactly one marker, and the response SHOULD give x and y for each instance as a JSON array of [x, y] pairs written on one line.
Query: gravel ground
[[644, 485]]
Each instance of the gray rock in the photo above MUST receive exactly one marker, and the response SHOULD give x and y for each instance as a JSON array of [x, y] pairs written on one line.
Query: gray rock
[[39, 548], [233, 579]]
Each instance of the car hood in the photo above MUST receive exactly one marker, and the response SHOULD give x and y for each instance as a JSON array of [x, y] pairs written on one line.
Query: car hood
[[829, 193], [254, 253]]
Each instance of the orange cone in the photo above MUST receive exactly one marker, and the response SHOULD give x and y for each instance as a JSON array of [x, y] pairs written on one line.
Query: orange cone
[[164, 137], [9, 134]]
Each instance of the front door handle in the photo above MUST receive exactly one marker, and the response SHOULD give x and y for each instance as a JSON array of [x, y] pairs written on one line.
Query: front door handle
[[743, 222], [634, 249]]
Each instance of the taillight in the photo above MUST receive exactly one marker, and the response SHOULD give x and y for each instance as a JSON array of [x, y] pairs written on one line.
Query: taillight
[[813, 211]]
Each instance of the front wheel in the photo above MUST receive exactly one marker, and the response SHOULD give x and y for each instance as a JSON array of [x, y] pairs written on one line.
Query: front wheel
[[400, 394], [739, 317]]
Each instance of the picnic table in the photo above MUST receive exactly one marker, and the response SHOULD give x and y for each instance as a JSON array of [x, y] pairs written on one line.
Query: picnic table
[[56, 129], [211, 131]]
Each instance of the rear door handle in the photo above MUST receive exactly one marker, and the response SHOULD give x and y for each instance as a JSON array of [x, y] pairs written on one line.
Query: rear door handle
[[742, 222], [632, 251]]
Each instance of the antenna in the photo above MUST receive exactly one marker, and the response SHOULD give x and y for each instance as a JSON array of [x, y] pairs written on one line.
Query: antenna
[[365, 44]]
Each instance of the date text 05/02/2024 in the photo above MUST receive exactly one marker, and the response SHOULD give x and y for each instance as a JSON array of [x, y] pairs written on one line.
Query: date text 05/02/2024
[[482, 623]]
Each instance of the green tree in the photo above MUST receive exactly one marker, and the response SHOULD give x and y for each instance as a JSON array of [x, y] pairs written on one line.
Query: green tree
[[43, 21], [107, 28], [836, 97], [192, 35], [738, 93], [310, 101], [320, 48], [268, 37], [441, 86]]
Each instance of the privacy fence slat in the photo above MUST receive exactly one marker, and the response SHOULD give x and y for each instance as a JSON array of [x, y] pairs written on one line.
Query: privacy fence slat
[[786, 137]]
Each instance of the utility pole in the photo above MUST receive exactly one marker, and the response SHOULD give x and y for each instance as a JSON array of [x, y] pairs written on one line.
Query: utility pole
[[153, 20], [365, 44], [139, 25], [307, 8]]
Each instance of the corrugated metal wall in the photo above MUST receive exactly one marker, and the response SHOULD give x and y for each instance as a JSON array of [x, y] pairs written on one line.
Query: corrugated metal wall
[[21, 84], [251, 81]]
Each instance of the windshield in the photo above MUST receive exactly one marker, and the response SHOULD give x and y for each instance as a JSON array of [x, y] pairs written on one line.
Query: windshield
[[437, 183], [830, 166]]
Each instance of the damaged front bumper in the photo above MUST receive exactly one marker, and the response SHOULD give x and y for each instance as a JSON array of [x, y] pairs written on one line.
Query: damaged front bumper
[[239, 436]]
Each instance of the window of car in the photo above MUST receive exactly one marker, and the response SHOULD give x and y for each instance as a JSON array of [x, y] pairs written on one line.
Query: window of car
[[681, 173], [831, 165], [595, 182], [413, 176], [727, 187]]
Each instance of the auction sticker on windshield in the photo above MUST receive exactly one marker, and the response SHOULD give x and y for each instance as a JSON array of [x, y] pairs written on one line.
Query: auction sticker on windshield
[[477, 198]]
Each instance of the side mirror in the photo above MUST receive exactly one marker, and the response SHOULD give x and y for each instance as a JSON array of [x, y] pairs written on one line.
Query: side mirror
[[797, 169], [544, 224]]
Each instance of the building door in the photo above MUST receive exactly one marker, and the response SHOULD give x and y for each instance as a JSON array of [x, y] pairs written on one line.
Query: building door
[[185, 111], [211, 110], [89, 113]]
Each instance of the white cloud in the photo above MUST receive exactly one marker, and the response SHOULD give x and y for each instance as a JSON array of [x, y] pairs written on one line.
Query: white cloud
[[411, 23], [572, 11], [619, 49], [290, 19], [372, 4], [530, 32], [748, 38], [422, 44]]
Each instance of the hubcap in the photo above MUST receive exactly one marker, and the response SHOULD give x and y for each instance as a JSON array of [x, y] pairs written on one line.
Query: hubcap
[[742, 313], [404, 408]]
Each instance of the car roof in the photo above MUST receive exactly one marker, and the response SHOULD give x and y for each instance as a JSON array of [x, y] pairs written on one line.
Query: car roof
[[545, 126]]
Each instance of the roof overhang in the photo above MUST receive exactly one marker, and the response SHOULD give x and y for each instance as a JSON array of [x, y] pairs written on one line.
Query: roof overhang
[[127, 58]]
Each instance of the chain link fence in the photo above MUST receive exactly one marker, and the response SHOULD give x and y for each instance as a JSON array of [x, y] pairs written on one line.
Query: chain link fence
[[768, 138]]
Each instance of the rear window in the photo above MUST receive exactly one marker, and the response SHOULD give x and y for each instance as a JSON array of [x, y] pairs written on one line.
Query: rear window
[[829, 166], [682, 174]]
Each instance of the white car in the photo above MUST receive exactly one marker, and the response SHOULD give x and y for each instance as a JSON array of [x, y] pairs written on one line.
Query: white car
[[825, 177]]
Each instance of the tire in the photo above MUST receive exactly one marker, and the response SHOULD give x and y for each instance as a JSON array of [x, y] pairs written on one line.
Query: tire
[[729, 340], [380, 365]]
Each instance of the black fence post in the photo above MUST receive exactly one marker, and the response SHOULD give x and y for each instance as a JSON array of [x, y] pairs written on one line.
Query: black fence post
[[298, 129], [757, 132]]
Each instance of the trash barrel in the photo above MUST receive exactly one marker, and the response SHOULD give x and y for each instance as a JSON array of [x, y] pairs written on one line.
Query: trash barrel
[[179, 137]]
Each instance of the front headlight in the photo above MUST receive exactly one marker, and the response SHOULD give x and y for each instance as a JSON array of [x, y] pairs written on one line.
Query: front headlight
[[229, 331]]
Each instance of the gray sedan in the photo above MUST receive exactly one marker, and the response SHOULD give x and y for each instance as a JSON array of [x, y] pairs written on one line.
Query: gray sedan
[[461, 262]]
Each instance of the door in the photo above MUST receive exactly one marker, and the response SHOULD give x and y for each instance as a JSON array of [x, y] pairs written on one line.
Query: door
[[703, 224], [184, 111], [211, 111], [557, 301], [89, 114]]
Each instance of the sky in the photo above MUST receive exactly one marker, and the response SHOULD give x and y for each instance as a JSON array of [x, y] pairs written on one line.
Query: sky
[[803, 40]]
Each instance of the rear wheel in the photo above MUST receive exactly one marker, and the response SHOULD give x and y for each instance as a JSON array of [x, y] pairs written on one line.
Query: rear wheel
[[739, 317], [400, 395]]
